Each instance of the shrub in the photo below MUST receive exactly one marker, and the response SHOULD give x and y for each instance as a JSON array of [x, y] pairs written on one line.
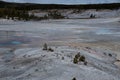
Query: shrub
[[92, 16], [82, 58], [76, 58], [77, 55], [45, 47], [110, 55], [75, 61], [74, 78], [51, 50], [79, 58]]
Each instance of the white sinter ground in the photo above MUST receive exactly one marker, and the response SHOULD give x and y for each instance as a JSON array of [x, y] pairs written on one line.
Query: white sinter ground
[[37, 64]]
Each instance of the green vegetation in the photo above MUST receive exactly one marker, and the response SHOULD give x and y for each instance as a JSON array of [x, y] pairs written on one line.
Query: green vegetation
[[50, 49], [82, 58], [79, 58], [75, 61], [30, 6], [45, 47], [55, 15], [76, 58], [20, 11], [14, 14], [92, 16]]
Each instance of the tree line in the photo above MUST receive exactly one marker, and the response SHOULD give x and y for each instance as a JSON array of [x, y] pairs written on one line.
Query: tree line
[[14, 14], [32, 6]]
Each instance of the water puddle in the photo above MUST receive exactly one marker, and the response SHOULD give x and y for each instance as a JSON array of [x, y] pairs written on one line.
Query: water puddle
[[10, 43], [11, 38], [103, 31]]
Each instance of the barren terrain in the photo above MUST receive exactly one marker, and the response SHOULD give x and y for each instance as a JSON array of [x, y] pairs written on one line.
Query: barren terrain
[[22, 56]]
